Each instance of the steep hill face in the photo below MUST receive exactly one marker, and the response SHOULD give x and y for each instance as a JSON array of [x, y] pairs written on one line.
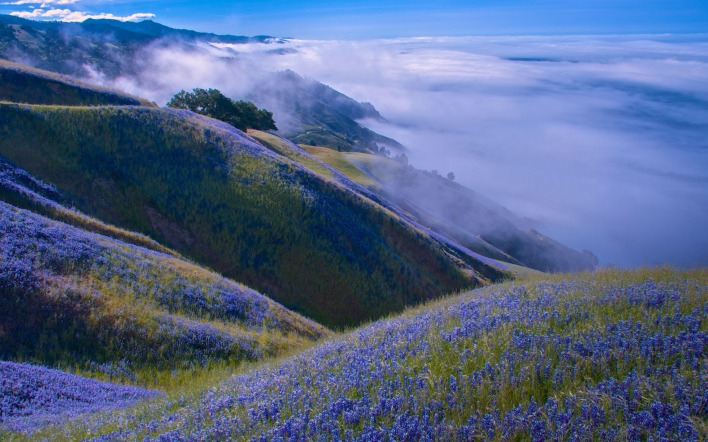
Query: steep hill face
[[206, 190]]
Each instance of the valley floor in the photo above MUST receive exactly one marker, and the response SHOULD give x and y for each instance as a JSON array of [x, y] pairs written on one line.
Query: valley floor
[[610, 355]]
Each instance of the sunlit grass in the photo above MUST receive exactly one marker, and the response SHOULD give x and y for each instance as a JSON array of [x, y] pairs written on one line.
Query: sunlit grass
[[342, 162]]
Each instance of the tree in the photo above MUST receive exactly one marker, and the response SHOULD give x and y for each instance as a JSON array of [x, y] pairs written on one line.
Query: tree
[[212, 103], [401, 158], [451, 176]]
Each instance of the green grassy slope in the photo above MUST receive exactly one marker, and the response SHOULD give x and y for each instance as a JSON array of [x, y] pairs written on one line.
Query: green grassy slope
[[23, 84], [341, 162], [79, 300], [341, 168], [204, 189]]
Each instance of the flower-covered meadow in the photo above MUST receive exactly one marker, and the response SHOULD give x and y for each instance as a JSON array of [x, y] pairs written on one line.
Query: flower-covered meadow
[[606, 356], [33, 396]]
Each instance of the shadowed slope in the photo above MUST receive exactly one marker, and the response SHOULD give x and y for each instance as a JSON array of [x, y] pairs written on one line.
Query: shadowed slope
[[213, 194], [21, 189]]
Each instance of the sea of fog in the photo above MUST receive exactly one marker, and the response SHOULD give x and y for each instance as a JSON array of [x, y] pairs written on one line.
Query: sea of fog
[[601, 140]]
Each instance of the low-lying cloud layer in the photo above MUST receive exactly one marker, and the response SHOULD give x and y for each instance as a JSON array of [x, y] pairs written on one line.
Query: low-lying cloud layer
[[603, 140]]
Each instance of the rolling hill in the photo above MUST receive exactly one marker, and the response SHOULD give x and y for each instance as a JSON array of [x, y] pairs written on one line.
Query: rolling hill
[[313, 114], [460, 213], [211, 193], [81, 300]]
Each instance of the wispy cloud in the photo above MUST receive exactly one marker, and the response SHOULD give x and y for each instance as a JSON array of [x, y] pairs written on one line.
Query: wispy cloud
[[68, 15]]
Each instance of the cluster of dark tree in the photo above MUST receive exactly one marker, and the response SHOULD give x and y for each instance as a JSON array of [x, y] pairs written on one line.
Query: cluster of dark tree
[[212, 103]]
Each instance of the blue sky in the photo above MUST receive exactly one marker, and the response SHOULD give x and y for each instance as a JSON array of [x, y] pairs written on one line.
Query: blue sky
[[365, 19]]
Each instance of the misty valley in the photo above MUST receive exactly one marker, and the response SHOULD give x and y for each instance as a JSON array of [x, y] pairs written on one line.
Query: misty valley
[[211, 237]]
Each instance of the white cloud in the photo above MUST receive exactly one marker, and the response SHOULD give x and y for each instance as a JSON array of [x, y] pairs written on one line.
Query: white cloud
[[68, 15], [43, 3]]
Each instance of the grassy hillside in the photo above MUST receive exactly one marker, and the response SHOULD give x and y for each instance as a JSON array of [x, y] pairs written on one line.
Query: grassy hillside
[[606, 356], [287, 149], [460, 213], [22, 84], [343, 163], [80, 300], [204, 189]]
